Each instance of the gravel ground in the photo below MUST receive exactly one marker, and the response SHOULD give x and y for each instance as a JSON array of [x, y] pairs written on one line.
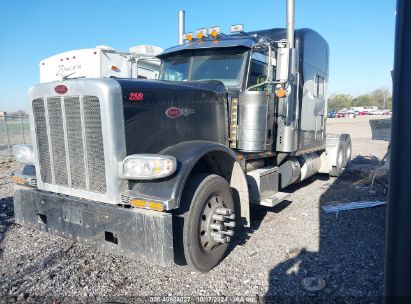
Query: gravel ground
[[285, 244]]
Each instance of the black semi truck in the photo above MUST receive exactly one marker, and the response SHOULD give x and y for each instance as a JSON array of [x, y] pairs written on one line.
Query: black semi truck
[[166, 170]]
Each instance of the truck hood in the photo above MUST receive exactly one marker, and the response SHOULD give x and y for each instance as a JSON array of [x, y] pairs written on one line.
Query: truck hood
[[160, 114]]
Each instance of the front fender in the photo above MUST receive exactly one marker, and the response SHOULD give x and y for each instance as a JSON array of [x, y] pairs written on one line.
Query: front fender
[[170, 189]]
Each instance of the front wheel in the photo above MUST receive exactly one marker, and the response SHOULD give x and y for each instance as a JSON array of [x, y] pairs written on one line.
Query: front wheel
[[209, 221]]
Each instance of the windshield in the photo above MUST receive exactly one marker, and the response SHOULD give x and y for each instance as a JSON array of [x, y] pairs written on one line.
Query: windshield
[[217, 64]]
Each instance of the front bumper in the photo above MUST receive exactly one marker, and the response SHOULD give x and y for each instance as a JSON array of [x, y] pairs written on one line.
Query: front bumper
[[131, 232]]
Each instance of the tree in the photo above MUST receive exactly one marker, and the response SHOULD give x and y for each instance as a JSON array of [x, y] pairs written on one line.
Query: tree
[[380, 98], [339, 101], [363, 101]]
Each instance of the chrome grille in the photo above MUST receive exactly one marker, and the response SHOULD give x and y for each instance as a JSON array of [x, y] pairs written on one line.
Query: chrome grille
[[70, 142], [94, 140], [42, 140], [75, 142], [58, 149]]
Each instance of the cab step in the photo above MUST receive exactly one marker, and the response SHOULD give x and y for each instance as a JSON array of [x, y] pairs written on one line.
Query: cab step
[[274, 199]]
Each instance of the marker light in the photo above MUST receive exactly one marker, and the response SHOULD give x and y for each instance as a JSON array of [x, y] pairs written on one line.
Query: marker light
[[237, 28], [201, 33], [141, 203], [115, 68], [23, 154], [188, 36], [147, 166], [138, 203], [155, 206], [281, 92], [214, 31]]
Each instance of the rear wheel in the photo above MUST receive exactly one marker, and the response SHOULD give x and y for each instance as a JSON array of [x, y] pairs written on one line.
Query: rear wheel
[[209, 221]]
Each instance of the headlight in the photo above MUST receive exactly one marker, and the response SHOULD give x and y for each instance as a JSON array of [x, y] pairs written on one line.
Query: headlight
[[23, 154], [147, 166]]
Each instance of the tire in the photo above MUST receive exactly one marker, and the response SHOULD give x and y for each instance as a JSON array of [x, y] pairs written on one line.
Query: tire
[[337, 170], [349, 150], [345, 140], [201, 251]]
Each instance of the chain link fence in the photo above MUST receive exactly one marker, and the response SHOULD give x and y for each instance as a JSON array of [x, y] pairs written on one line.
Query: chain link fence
[[14, 130]]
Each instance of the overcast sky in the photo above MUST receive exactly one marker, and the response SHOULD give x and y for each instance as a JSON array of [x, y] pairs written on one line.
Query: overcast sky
[[360, 34]]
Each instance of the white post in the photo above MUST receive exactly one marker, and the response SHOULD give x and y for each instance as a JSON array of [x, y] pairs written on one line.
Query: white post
[[7, 134], [22, 128]]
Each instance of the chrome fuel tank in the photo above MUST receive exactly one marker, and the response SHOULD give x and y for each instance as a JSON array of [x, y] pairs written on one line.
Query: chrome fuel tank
[[255, 121]]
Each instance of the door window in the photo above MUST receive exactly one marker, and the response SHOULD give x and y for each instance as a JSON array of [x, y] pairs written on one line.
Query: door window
[[319, 88]]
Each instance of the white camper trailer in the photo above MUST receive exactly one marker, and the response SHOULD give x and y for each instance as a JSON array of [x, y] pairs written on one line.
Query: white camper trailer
[[101, 62]]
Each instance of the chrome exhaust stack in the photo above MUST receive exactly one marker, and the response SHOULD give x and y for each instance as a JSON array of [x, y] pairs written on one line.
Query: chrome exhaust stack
[[181, 25], [290, 22]]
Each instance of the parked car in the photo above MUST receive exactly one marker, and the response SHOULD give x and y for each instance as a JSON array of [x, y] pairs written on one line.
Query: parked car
[[347, 114], [332, 114], [378, 112], [350, 114]]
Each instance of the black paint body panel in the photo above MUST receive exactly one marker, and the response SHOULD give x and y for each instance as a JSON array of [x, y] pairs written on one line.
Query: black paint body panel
[[202, 115], [311, 46]]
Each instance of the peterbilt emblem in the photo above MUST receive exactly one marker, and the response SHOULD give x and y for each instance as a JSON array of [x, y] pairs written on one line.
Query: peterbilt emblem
[[60, 89], [136, 96], [176, 112]]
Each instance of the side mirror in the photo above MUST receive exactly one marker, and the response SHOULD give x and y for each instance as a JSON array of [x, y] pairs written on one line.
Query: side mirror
[[259, 57], [283, 62], [273, 59]]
